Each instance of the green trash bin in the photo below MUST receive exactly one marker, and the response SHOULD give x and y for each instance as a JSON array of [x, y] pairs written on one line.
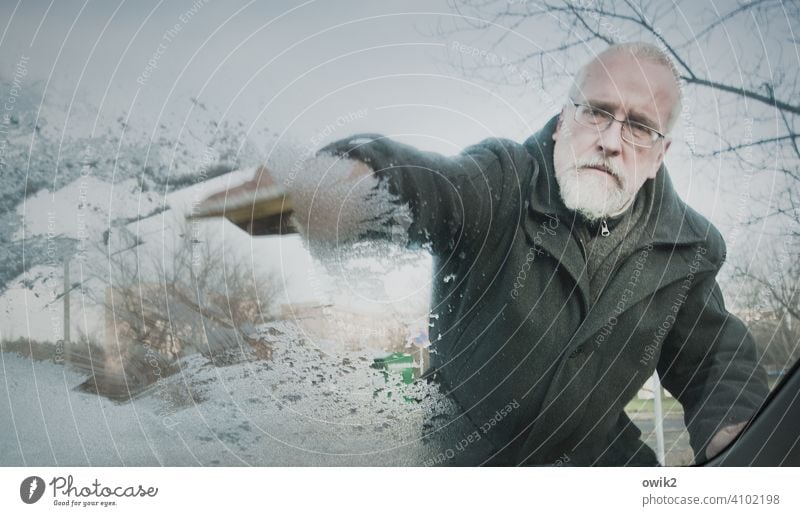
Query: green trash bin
[[397, 365]]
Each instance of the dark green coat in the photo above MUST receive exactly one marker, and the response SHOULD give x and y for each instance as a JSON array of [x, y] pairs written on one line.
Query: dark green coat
[[542, 376]]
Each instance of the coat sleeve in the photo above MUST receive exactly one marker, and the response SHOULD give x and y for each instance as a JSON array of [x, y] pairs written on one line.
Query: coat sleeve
[[453, 200], [710, 364]]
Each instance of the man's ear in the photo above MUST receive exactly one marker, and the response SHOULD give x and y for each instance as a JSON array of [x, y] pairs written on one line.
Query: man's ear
[[558, 124], [660, 160]]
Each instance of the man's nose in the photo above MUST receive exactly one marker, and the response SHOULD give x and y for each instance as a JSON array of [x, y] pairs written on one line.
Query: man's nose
[[610, 139]]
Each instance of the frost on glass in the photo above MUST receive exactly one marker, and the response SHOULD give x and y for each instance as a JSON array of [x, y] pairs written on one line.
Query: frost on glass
[[183, 352]]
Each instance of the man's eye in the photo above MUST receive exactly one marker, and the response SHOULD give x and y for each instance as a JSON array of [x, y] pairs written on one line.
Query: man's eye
[[640, 131], [595, 115]]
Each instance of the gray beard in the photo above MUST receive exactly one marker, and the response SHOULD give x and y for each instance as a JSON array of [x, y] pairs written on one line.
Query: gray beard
[[591, 196]]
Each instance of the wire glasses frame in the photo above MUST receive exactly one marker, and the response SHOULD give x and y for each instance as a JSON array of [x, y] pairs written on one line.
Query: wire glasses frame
[[638, 135]]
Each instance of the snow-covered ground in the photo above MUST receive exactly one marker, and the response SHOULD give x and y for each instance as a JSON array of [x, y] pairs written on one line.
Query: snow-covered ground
[[305, 407]]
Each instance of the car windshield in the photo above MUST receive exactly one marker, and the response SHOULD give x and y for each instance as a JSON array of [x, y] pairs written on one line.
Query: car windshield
[[322, 243]]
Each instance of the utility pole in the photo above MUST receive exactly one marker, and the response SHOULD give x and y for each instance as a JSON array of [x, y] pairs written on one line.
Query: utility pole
[[659, 420], [66, 301]]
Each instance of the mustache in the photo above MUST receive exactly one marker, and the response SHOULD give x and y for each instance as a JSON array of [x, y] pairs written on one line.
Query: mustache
[[602, 164]]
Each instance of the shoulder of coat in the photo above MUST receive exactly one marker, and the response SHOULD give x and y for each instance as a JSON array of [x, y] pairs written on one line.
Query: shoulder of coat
[[502, 145], [710, 240]]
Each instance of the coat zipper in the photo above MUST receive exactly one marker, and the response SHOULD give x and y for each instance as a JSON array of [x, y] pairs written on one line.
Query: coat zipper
[[604, 228]]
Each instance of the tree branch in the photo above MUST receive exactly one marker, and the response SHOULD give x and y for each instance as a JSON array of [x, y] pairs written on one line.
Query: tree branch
[[766, 99], [757, 143]]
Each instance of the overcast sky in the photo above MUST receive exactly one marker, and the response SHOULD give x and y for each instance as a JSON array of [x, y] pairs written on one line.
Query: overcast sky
[[288, 66]]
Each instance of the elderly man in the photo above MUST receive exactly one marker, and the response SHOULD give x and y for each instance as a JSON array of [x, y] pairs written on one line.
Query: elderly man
[[574, 272]]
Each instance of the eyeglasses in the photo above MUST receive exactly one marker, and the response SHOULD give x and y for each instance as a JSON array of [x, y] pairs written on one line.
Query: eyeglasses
[[638, 135]]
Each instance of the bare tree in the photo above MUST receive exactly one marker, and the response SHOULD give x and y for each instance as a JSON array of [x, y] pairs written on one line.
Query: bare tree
[[769, 301], [195, 297]]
